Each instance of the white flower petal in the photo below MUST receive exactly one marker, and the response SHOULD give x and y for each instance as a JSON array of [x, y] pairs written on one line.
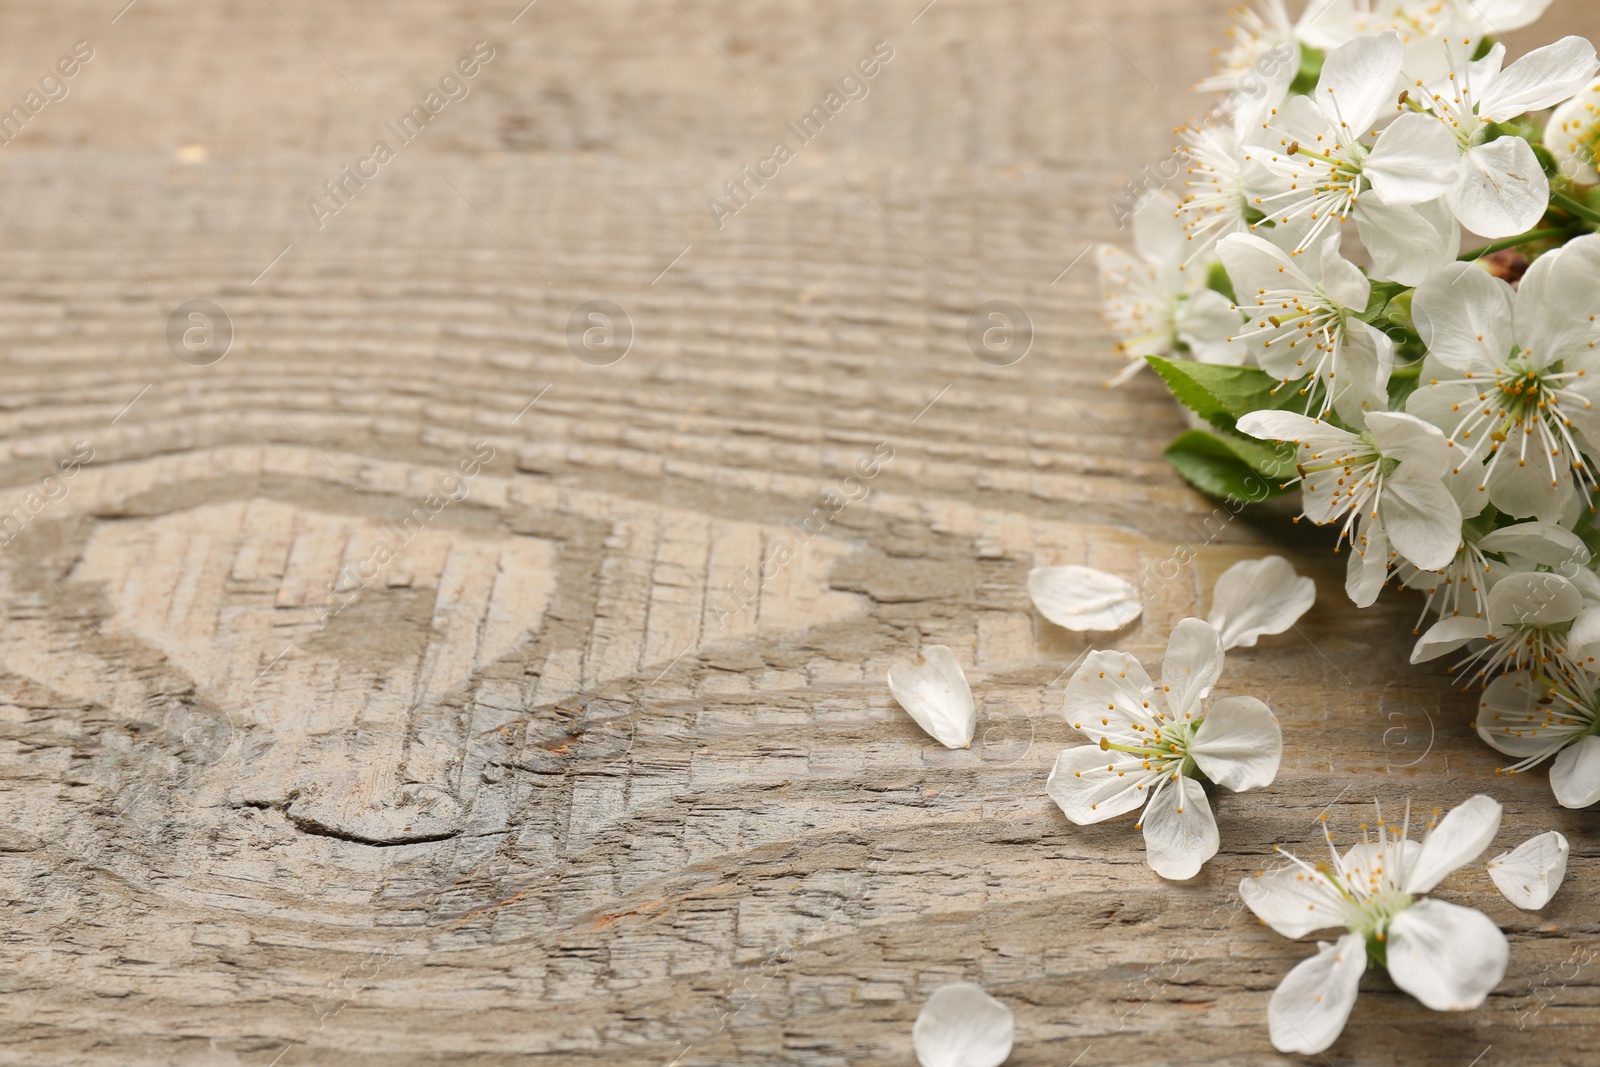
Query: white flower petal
[[1542, 78], [1308, 1010], [962, 1026], [1258, 598], [1108, 693], [1567, 136], [1360, 81], [1207, 319], [1192, 665], [1530, 874], [1314, 434], [1464, 317], [1421, 446], [1327, 25], [935, 693], [1442, 406], [1082, 598], [1537, 543], [1447, 956], [1548, 324], [1293, 902], [1157, 233], [1530, 492], [1085, 792], [1421, 518], [1342, 279], [1583, 640], [1460, 838], [1503, 16], [1447, 635], [1502, 189], [1180, 833], [1507, 721], [1415, 160], [1408, 243], [1574, 284], [1239, 745], [1575, 774], [1368, 566], [1366, 361], [1254, 264], [1534, 598]]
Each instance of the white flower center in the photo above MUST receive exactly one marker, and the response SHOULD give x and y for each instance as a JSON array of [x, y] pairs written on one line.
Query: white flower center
[[1365, 886], [1153, 754], [1564, 717], [1520, 417], [1353, 480]]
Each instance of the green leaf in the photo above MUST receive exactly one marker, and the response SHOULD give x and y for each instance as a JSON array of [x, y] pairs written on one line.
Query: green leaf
[[1218, 280], [1401, 386], [1230, 466], [1586, 527], [1382, 294], [1547, 162], [1222, 395], [1310, 72]]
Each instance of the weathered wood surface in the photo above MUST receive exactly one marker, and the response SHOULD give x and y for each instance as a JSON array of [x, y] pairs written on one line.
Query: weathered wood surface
[[539, 792]]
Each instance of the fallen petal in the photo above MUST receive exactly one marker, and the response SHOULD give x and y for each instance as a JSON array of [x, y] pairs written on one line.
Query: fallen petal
[[1530, 874], [935, 692], [1082, 598], [1257, 598], [962, 1026]]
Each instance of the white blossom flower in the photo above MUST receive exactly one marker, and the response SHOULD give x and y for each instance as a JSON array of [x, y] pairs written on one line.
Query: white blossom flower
[[1447, 956], [1512, 380], [1441, 148], [934, 691], [1327, 24], [1315, 148], [1083, 598], [1260, 61], [1154, 304], [962, 1026], [1386, 483], [1161, 745], [1535, 621], [1302, 321], [1573, 136], [1530, 874], [1220, 183], [1563, 722], [1462, 587], [1497, 18], [1258, 598], [1422, 24]]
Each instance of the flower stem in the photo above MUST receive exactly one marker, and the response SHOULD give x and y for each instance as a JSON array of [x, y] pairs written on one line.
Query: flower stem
[[1512, 242], [1573, 207]]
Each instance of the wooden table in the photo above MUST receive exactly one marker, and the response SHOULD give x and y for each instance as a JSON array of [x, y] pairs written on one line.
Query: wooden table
[[567, 775]]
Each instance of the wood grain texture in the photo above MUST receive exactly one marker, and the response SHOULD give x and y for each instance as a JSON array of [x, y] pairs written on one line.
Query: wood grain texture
[[568, 779]]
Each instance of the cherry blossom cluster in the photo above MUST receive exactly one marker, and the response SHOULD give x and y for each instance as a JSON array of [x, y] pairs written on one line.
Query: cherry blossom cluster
[[1378, 285], [1307, 298]]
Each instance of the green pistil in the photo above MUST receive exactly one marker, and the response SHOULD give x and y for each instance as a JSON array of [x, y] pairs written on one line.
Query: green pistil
[[1162, 750], [1172, 746]]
